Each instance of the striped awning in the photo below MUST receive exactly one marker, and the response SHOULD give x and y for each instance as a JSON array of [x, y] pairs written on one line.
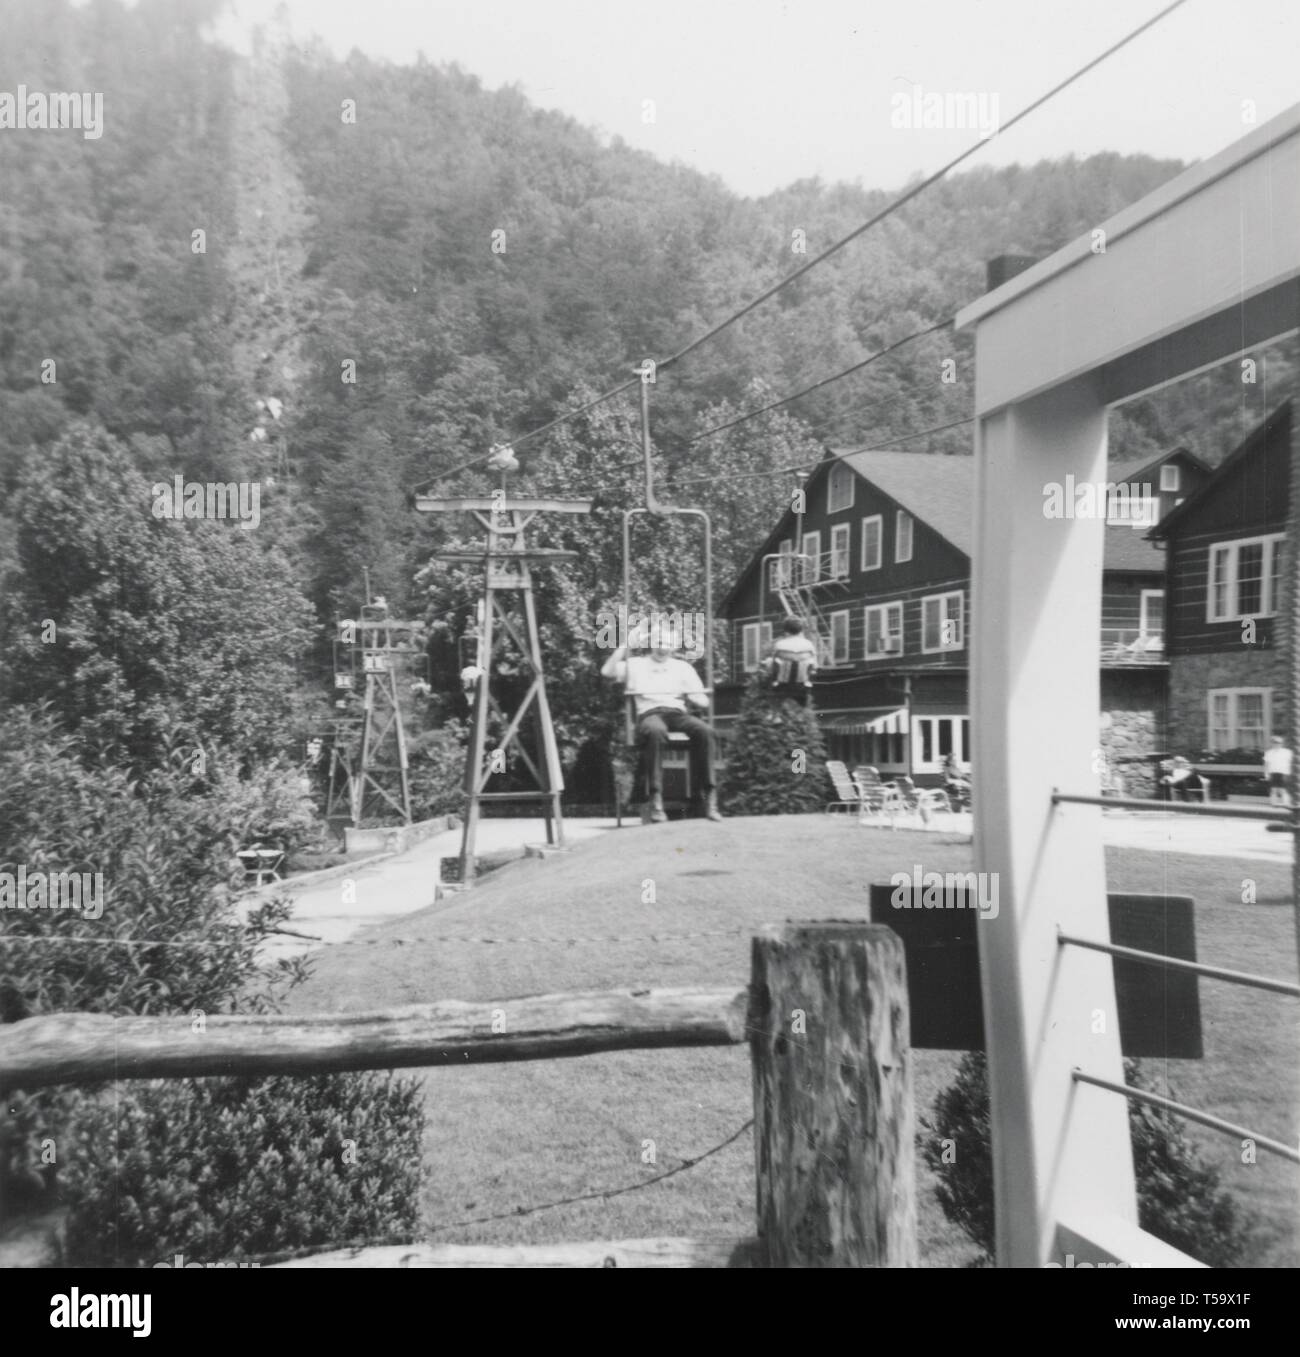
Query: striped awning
[[868, 721]]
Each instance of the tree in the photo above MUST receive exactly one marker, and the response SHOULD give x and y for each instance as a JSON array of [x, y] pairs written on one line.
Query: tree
[[133, 626], [776, 764]]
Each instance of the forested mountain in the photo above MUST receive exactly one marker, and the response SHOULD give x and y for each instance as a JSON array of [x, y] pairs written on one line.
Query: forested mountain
[[344, 279]]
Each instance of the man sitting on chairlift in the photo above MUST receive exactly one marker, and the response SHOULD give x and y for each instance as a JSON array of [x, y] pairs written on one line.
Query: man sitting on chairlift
[[661, 686]]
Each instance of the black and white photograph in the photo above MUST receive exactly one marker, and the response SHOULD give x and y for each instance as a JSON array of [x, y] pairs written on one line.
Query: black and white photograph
[[649, 637]]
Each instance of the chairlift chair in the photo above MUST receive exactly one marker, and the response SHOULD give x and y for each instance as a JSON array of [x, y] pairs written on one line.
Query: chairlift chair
[[678, 779], [676, 760]]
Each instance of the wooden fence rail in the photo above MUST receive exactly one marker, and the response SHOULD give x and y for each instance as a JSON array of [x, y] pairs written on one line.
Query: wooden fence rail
[[826, 1019], [72, 1048]]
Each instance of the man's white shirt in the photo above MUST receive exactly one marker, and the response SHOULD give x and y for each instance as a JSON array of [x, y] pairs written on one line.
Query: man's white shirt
[[1277, 760], [655, 683]]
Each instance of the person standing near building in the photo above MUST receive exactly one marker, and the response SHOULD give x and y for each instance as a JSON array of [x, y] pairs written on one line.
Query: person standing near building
[[1277, 768]]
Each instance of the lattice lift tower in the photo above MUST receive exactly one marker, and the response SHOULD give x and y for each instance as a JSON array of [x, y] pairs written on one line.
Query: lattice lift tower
[[369, 751], [509, 622]]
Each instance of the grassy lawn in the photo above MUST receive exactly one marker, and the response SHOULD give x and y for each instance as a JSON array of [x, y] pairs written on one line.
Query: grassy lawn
[[505, 1138]]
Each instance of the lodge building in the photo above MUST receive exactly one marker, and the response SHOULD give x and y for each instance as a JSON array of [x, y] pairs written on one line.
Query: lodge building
[[1225, 545], [878, 568]]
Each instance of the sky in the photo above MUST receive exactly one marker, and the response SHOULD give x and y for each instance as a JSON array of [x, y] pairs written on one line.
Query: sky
[[765, 92]]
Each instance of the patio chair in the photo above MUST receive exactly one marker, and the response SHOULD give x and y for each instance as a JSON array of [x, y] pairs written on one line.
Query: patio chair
[[922, 800], [878, 797], [850, 798], [262, 862]]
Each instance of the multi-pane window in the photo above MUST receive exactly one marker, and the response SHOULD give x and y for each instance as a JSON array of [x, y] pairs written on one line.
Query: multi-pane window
[[1243, 578], [1240, 718], [840, 541], [780, 573], [942, 622], [902, 536], [884, 629], [812, 550], [840, 637], [749, 647], [872, 533], [935, 737], [1151, 618], [839, 489]]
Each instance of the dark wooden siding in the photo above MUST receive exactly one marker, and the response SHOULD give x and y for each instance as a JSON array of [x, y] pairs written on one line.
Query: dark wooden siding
[[933, 557], [1121, 601], [856, 605], [1249, 499], [1188, 630]]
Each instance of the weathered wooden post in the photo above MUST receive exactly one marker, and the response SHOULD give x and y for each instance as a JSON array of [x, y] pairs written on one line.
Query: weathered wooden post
[[834, 1122]]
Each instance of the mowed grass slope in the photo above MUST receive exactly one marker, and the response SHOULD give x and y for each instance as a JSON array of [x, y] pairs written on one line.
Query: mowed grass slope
[[506, 1138]]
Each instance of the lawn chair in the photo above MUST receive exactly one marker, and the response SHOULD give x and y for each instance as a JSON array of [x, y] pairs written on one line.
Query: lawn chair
[[878, 797], [922, 800], [262, 862], [850, 797]]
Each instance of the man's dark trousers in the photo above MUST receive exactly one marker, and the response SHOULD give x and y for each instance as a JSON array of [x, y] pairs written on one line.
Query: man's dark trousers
[[651, 736]]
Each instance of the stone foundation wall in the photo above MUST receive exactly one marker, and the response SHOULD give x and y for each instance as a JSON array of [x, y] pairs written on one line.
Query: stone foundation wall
[[1192, 676], [1131, 734], [1133, 725]]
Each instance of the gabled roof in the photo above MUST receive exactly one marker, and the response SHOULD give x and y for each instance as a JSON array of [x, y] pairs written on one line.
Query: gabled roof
[[1132, 469], [937, 490], [1252, 443], [940, 492]]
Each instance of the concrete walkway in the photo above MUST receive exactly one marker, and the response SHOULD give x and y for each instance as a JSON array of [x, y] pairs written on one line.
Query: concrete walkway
[[338, 908], [1198, 834], [1154, 831]]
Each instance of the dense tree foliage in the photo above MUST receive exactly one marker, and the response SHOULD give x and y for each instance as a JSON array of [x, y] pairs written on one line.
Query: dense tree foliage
[[348, 278]]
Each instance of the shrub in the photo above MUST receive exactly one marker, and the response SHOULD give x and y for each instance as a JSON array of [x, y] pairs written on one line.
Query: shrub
[[1179, 1198], [436, 771], [776, 764], [169, 938], [222, 1170]]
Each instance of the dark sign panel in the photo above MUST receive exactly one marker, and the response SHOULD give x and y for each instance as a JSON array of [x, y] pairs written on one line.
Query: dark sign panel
[[1159, 1009]]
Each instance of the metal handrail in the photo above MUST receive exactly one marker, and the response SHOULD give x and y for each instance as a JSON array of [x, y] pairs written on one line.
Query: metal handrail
[[1176, 807], [1191, 1113], [1180, 964]]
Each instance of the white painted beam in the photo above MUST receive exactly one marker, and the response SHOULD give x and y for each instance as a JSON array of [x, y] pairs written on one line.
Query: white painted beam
[[1058, 1147], [1216, 236], [1094, 1241]]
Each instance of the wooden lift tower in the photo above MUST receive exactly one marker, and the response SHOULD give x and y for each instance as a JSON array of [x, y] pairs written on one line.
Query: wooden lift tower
[[509, 624], [368, 775]]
